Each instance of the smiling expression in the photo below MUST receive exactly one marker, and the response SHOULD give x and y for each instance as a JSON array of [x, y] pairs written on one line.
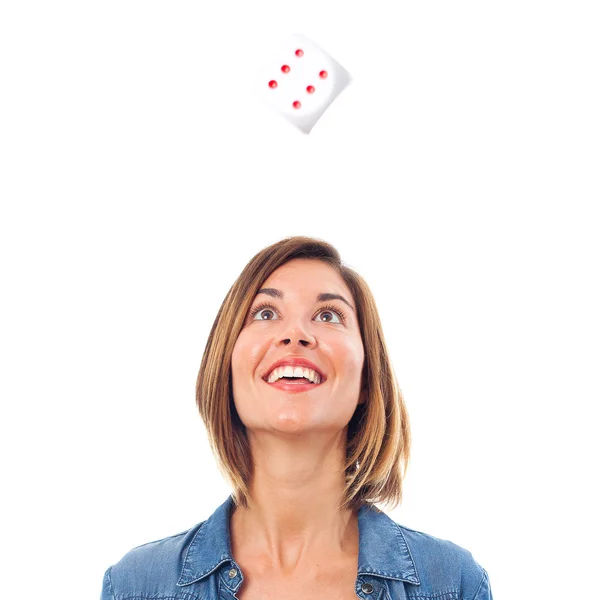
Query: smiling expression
[[304, 310]]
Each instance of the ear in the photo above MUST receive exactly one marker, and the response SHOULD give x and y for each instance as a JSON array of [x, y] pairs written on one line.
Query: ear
[[363, 396]]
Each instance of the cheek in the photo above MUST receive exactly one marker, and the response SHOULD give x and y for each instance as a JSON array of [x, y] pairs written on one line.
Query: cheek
[[352, 366], [349, 354], [245, 358]]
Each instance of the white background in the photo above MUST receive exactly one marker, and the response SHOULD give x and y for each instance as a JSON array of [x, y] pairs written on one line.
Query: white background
[[458, 173]]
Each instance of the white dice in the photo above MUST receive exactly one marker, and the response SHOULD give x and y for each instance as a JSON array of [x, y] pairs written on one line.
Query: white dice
[[300, 81]]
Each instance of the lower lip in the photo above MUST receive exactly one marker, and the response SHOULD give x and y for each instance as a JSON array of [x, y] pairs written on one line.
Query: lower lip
[[287, 386]]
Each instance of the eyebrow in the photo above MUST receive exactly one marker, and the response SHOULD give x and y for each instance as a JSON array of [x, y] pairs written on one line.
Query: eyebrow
[[323, 297]]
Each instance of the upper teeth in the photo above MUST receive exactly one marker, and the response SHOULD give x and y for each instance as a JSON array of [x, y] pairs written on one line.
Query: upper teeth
[[289, 371]]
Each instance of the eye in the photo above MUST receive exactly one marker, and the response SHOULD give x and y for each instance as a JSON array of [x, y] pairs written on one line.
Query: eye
[[267, 308], [259, 309], [332, 311]]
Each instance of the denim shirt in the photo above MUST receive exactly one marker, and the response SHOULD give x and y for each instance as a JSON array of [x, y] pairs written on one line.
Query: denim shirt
[[394, 563]]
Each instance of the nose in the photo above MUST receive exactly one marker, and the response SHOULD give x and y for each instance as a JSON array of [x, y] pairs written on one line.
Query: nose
[[299, 336], [303, 342]]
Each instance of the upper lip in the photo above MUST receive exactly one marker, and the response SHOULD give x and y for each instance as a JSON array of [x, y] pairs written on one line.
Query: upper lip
[[295, 361]]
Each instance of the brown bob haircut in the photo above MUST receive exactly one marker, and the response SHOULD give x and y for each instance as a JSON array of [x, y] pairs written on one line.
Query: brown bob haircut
[[378, 439]]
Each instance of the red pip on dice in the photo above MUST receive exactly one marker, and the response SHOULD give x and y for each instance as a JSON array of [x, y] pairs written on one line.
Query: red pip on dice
[[300, 81]]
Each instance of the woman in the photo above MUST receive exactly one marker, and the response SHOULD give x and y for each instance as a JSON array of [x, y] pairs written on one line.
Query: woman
[[308, 424]]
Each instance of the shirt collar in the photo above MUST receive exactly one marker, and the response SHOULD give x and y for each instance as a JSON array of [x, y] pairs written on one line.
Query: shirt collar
[[383, 550]]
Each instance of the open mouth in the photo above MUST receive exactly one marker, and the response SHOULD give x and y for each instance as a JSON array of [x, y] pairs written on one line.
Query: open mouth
[[294, 384]]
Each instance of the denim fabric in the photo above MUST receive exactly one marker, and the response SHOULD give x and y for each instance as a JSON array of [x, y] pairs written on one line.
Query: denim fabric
[[394, 563]]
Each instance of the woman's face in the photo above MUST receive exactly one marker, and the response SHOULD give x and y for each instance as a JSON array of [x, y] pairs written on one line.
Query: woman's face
[[297, 324]]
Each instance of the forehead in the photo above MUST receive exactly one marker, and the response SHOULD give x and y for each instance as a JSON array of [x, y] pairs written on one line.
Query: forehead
[[305, 277]]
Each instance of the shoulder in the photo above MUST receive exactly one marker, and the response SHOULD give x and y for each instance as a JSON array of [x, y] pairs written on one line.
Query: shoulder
[[444, 568], [149, 568]]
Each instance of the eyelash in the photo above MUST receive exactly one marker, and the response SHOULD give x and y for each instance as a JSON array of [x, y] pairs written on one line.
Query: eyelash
[[329, 307]]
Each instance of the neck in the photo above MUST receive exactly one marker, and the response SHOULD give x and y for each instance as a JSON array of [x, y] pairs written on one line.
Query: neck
[[293, 521]]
